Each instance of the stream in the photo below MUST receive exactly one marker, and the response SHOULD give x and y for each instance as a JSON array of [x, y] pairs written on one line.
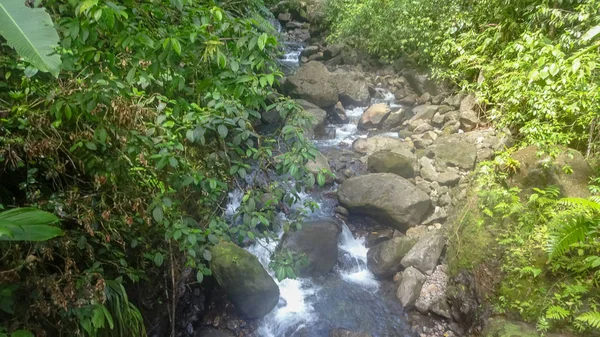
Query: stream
[[349, 297]]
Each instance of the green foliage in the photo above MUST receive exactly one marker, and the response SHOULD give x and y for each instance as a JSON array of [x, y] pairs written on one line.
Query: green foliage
[[31, 33], [28, 224], [287, 264], [151, 122]]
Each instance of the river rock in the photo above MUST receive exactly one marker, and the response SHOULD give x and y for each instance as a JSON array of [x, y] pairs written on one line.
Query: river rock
[[379, 236], [385, 197], [425, 254], [339, 114], [310, 50], [312, 82], [318, 240], [409, 289], [383, 260], [433, 293], [319, 164], [469, 120], [212, 332], [422, 83], [379, 143], [399, 161], [347, 333], [243, 278], [319, 115], [393, 120], [540, 172], [351, 88], [454, 100], [373, 116], [453, 151]]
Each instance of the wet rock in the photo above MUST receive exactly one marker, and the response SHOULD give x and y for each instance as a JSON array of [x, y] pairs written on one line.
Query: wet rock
[[284, 17], [409, 289], [399, 161], [319, 164], [294, 25], [383, 260], [318, 240], [312, 82], [540, 172], [212, 332], [351, 88], [243, 278], [347, 333], [341, 210], [409, 100], [340, 116], [379, 143], [394, 119], [373, 116], [453, 151], [379, 236], [319, 115], [385, 197], [315, 57], [425, 254]]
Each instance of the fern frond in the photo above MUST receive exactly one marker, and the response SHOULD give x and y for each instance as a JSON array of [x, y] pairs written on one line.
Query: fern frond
[[557, 313], [591, 318], [573, 231], [582, 203]]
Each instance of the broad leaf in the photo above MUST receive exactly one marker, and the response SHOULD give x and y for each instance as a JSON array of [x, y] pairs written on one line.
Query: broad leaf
[[28, 224], [31, 33]]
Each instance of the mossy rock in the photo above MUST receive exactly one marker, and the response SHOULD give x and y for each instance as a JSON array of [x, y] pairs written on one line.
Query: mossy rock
[[247, 284], [502, 327]]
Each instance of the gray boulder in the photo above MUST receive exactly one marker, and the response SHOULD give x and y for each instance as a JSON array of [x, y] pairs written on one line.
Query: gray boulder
[[384, 259], [318, 240], [351, 87], [399, 161], [379, 143], [386, 197], [379, 236], [409, 289], [454, 151], [247, 284], [373, 116], [319, 116], [312, 82], [425, 254], [393, 120]]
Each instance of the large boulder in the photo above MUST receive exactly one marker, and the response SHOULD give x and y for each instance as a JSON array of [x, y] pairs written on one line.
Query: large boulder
[[319, 116], [422, 83], [373, 116], [318, 241], [379, 143], [398, 161], [385, 197], [409, 289], [384, 259], [425, 254], [394, 119], [536, 172], [313, 82], [247, 284], [351, 87], [454, 151]]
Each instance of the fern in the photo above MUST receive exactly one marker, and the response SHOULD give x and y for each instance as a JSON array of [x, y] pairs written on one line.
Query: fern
[[588, 205], [557, 313], [573, 231], [591, 318]]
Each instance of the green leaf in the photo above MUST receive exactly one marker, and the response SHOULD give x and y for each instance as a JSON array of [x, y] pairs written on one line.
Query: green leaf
[[91, 146], [158, 259], [157, 213], [31, 33], [222, 130], [28, 224], [207, 255], [321, 178], [262, 40], [21, 333], [176, 46], [554, 69], [199, 276], [590, 34]]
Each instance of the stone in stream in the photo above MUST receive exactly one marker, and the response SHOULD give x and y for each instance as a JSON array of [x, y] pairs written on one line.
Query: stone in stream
[[379, 236], [425, 254], [409, 289], [386, 197], [373, 116], [339, 114], [312, 82], [318, 165], [383, 260], [351, 87], [212, 332], [454, 151], [379, 143], [433, 293], [347, 333], [247, 284], [393, 120], [399, 161], [317, 239], [319, 116]]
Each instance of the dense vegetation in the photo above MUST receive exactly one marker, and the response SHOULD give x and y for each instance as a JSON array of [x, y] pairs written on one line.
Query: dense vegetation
[[534, 68], [132, 133]]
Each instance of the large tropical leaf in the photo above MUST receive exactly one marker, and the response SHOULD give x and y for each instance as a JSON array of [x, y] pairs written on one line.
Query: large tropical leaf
[[28, 224], [31, 33]]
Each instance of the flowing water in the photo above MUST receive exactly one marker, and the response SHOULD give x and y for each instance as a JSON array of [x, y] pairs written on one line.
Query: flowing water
[[349, 297]]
